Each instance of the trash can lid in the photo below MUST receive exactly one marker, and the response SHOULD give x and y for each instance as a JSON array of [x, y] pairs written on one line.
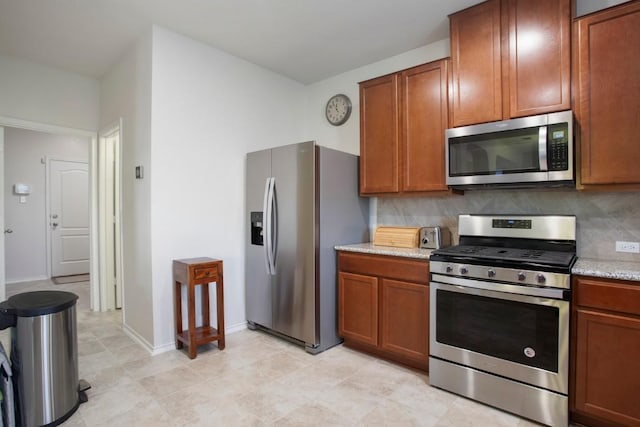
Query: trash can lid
[[38, 303]]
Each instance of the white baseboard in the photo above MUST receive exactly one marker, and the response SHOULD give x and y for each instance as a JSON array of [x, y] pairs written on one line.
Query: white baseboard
[[138, 338], [236, 328], [26, 279], [163, 348]]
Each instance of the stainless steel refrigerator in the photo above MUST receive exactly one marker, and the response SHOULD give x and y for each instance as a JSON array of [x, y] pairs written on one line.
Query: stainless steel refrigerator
[[301, 201]]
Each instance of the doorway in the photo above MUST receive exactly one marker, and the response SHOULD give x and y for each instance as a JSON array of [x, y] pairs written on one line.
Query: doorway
[[98, 253], [109, 212], [30, 180]]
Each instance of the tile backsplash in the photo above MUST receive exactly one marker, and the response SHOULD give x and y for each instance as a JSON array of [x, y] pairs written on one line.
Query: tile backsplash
[[602, 217]]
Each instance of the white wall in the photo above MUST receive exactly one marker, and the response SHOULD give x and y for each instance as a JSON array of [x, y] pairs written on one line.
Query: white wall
[[126, 93], [46, 95], [347, 136], [190, 114], [26, 251], [209, 109]]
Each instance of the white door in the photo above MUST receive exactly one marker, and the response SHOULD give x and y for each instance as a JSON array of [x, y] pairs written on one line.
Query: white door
[[2, 283], [111, 209], [69, 217]]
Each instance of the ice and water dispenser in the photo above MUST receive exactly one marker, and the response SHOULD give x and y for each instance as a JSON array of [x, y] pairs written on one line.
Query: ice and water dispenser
[[256, 228]]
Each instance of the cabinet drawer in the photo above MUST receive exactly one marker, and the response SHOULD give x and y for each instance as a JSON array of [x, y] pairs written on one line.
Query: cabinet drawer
[[606, 294], [406, 269], [209, 273]]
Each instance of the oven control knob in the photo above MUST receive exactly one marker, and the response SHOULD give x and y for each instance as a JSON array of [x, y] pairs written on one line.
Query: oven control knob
[[491, 273], [540, 278], [521, 276], [449, 269], [464, 270]]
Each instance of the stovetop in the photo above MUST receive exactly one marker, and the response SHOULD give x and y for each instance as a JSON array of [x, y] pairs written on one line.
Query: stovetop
[[505, 254], [545, 243]]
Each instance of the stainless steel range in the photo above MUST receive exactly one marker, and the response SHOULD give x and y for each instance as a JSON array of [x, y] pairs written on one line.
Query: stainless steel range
[[499, 314]]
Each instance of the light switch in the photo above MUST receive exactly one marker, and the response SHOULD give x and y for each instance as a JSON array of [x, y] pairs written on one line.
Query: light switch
[[23, 199]]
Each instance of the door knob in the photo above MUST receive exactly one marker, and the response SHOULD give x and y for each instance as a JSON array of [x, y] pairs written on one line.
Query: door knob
[[8, 231], [54, 224], [54, 216]]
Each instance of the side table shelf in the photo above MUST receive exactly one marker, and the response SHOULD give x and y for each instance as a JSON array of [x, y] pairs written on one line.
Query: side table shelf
[[194, 272]]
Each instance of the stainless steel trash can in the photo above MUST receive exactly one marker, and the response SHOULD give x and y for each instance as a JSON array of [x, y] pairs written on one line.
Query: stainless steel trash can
[[44, 355]]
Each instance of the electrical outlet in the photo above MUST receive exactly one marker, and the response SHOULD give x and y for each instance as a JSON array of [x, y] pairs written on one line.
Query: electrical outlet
[[632, 247]]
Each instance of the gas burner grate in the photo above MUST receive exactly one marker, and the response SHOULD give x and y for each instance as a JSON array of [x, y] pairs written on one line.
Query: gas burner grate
[[492, 253], [532, 254]]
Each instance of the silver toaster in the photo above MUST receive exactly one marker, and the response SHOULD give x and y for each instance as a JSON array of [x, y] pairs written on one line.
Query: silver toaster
[[434, 237]]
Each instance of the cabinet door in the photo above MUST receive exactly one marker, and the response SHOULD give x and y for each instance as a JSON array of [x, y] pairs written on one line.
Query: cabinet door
[[539, 56], [405, 319], [608, 95], [608, 367], [358, 307], [476, 87], [424, 120], [379, 135]]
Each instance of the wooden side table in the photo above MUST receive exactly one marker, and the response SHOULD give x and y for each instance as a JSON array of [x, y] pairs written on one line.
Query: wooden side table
[[198, 272]]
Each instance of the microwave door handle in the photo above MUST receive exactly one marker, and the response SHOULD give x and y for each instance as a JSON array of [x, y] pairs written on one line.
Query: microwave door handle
[[542, 148]]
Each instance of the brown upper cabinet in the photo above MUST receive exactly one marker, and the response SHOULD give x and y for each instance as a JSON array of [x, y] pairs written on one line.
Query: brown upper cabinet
[[510, 58], [607, 103], [403, 117]]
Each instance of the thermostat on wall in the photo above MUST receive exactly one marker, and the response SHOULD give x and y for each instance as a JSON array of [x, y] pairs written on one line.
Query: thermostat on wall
[[21, 189]]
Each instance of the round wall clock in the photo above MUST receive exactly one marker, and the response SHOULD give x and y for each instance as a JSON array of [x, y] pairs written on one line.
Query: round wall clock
[[338, 109]]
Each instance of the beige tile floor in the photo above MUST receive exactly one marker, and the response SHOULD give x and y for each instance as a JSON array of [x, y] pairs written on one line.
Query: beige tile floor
[[257, 380]]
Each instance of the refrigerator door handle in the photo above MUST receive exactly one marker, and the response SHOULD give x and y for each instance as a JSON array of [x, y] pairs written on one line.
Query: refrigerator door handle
[[271, 224], [266, 208], [274, 226]]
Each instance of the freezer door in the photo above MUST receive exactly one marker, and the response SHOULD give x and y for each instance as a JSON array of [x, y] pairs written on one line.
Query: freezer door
[[258, 287], [294, 284]]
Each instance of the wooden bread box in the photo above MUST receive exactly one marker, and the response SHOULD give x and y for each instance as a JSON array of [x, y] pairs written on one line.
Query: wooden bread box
[[399, 237]]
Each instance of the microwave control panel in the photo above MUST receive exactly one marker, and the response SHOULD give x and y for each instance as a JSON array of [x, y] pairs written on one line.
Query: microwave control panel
[[558, 147]]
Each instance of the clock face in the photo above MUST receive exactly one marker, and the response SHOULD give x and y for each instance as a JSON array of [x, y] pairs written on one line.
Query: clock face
[[338, 109]]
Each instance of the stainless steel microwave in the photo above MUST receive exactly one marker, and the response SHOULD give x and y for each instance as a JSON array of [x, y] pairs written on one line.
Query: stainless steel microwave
[[523, 152]]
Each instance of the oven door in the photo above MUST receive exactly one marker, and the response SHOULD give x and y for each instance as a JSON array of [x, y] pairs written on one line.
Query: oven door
[[522, 337]]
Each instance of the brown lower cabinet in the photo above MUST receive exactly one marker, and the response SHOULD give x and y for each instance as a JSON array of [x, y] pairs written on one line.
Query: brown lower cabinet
[[383, 306], [605, 374]]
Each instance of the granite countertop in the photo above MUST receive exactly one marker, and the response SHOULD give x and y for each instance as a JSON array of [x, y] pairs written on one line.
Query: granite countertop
[[622, 270], [370, 248]]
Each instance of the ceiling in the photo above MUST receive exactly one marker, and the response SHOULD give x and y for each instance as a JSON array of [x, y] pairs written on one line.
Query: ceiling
[[306, 40]]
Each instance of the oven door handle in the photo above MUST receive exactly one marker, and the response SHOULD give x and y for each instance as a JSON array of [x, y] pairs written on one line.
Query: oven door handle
[[503, 290]]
